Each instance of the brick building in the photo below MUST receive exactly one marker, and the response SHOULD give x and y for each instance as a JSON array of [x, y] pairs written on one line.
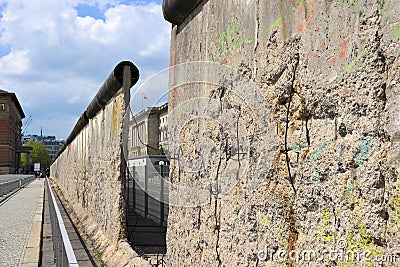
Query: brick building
[[11, 115]]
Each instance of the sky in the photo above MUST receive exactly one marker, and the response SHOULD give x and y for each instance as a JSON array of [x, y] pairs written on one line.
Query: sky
[[55, 54]]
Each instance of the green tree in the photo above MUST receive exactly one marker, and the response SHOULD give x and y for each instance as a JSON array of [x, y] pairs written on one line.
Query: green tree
[[161, 151], [39, 154]]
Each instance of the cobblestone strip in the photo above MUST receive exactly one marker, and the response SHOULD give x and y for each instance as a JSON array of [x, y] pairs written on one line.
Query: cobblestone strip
[[32, 251]]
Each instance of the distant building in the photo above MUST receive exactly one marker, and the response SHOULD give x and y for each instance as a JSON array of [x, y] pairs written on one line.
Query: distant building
[[11, 116], [49, 141], [147, 131], [163, 127], [147, 134]]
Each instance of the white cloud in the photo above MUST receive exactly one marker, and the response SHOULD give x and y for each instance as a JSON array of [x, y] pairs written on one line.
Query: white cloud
[[58, 60], [90, 29], [74, 99], [15, 63]]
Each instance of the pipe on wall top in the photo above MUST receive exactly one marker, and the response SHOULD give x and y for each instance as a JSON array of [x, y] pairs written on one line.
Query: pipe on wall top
[[106, 92], [175, 11]]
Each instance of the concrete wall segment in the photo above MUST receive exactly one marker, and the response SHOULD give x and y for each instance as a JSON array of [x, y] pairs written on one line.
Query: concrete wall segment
[[328, 71]]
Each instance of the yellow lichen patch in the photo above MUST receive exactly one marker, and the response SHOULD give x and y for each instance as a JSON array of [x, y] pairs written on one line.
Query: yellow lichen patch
[[357, 204], [358, 238], [266, 221], [326, 231], [116, 116], [394, 214]]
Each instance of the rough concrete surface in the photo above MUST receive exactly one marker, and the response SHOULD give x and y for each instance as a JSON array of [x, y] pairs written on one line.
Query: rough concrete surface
[[325, 143], [87, 177]]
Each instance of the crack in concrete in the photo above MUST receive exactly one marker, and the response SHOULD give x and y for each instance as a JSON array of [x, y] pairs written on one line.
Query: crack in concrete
[[291, 93]]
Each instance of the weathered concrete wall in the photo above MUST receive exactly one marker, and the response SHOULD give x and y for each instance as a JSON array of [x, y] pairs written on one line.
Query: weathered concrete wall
[[89, 177], [325, 143]]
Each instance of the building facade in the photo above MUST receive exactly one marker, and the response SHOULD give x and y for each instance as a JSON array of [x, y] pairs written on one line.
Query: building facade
[[148, 140], [148, 132], [163, 128], [11, 115], [49, 141]]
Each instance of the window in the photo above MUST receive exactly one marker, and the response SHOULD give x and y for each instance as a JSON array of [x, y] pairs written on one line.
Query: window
[[2, 107]]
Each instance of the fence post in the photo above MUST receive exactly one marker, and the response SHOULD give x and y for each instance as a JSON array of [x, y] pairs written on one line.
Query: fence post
[[146, 196], [161, 193]]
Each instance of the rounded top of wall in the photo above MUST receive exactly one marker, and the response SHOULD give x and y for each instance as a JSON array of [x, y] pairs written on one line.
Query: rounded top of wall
[[175, 11], [119, 72]]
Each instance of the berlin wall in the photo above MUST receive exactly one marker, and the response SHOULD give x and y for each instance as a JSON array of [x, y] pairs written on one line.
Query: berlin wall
[[286, 135], [89, 172]]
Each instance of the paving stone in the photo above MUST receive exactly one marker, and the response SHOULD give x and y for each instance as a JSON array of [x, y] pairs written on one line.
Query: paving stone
[[16, 217]]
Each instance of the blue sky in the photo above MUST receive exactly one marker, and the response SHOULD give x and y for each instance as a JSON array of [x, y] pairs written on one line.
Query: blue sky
[[96, 9], [91, 11], [55, 54]]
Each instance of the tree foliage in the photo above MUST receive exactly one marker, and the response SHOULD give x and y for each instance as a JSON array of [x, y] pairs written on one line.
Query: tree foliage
[[39, 154], [161, 151]]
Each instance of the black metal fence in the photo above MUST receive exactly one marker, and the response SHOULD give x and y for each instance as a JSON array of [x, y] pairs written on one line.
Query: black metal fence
[[147, 191]]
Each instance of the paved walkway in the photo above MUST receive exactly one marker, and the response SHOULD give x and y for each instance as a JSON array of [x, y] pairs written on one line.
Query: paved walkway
[[16, 218], [47, 240]]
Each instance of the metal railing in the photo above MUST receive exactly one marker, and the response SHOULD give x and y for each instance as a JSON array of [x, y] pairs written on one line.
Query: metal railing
[[147, 193], [11, 186], [63, 253]]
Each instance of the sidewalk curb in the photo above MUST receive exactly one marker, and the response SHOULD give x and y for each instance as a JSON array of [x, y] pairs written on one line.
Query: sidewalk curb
[[32, 250]]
